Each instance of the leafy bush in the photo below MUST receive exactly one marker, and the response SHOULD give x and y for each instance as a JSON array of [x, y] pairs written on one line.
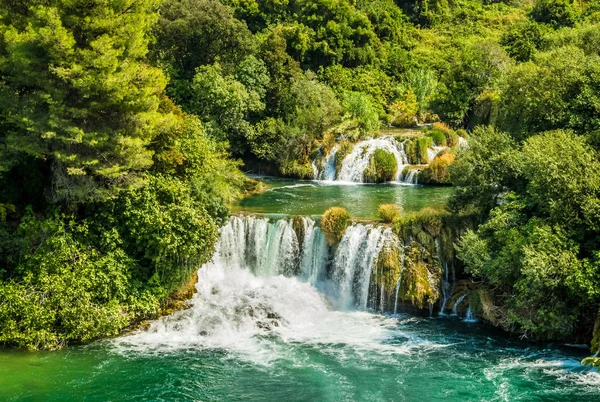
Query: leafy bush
[[334, 223], [383, 167], [557, 13], [437, 172], [438, 137], [389, 212], [72, 292]]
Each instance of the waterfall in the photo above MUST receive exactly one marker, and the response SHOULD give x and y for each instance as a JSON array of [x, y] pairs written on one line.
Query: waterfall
[[315, 253], [270, 248], [354, 165], [264, 248], [356, 256], [458, 301], [412, 177], [470, 317], [329, 169]]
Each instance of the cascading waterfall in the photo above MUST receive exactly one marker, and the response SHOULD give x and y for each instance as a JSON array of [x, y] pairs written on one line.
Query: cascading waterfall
[[470, 317], [269, 248], [411, 177], [354, 165], [356, 256], [329, 170], [264, 248], [281, 277], [315, 253], [447, 282]]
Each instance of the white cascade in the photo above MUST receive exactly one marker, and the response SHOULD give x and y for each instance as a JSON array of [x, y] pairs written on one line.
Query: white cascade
[[354, 165], [458, 301], [412, 177], [356, 256], [470, 317], [329, 169]]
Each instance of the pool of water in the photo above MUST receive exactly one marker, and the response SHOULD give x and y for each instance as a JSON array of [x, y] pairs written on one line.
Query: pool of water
[[407, 359], [293, 197]]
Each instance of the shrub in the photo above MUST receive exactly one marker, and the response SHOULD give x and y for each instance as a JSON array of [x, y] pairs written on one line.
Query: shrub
[[298, 169], [423, 145], [438, 137], [334, 223], [556, 13], [389, 212], [437, 172], [72, 292], [383, 167], [403, 112]]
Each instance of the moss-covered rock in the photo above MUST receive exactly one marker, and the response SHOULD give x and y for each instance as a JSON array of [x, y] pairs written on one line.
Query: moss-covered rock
[[383, 167], [334, 223], [299, 229], [384, 278], [482, 302], [420, 281], [345, 148]]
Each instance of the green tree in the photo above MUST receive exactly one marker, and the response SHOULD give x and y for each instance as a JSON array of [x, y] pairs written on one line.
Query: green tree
[[556, 13], [76, 94]]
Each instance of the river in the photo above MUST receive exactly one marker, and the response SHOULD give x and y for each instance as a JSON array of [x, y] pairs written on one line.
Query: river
[[279, 318]]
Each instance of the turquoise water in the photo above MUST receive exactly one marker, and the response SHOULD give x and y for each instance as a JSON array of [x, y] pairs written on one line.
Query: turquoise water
[[419, 359], [292, 197]]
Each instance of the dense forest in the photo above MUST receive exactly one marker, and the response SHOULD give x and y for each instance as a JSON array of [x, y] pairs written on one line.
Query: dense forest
[[125, 125]]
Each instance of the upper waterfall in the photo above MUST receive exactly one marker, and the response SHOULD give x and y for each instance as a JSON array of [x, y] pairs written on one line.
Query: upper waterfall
[[353, 166]]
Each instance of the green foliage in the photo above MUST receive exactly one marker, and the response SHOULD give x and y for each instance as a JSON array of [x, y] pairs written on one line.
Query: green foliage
[[556, 13], [86, 128], [69, 291], [439, 138], [193, 33], [383, 167], [334, 223], [77, 94], [476, 67], [569, 98], [522, 40], [360, 109], [539, 239], [388, 213], [438, 171]]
